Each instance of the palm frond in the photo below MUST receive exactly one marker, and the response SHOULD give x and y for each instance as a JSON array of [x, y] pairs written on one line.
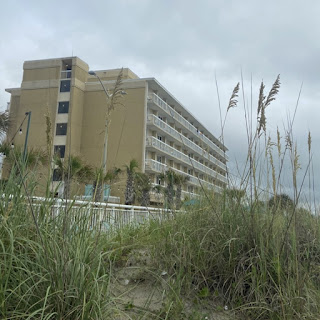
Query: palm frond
[[132, 165]]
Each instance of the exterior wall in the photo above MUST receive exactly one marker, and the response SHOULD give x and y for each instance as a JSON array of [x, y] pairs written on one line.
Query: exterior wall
[[74, 133], [41, 74], [14, 113], [39, 102], [110, 75], [125, 135]]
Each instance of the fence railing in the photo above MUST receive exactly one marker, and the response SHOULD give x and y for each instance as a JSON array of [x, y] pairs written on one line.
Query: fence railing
[[99, 215]]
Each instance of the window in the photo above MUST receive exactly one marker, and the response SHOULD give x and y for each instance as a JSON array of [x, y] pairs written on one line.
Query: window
[[61, 129], [60, 151], [65, 86], [56, 175], [63, 107], [66, 74], [159, 159], [160, 138]]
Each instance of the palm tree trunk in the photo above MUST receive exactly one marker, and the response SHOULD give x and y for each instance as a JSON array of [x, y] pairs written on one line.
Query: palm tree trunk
[[130, 195], [97, 191], [170, 194], [178, 196], [145, 201], [66, 188]]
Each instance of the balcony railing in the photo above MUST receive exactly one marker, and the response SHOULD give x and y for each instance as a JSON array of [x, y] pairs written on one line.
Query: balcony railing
[[159, 197], [155, 165], [190, 195], [174, 114], [161, 168], [152, 119], [159, 145], [65, 74]]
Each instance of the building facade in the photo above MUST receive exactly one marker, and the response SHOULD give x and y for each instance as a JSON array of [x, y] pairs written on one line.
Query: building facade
[[150, 126]]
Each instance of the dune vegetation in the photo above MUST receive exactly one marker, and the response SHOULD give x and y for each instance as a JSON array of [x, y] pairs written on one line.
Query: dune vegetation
[[249, 252]]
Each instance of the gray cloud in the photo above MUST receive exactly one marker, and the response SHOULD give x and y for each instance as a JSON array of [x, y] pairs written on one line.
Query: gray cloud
[[184, 45]]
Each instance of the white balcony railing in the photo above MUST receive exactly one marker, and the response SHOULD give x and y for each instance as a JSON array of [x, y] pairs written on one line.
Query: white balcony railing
[[161, 168], [190, 195], [159, 145], [153, 165], [65, 74], [174, 114], [152, 119]]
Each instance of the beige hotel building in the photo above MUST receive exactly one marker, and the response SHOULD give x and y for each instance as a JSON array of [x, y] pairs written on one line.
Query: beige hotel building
[[152, 126]]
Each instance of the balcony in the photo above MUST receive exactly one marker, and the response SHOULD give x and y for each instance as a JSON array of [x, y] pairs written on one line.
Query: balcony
[[156, 197], [174, 114], [158, 145], [152, 165], [159, 197], [190, 195], [158, 123], [155, 166], [161, 168]]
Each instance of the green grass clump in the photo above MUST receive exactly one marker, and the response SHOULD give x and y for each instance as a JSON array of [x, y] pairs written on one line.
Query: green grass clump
[[256, 255], [54, 269], [257, 270]]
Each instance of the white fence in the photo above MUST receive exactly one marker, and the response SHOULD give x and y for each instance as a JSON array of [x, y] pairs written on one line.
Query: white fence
[[99, 215]]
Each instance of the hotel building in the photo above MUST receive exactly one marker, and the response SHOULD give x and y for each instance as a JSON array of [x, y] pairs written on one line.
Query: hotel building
[[152, 126]]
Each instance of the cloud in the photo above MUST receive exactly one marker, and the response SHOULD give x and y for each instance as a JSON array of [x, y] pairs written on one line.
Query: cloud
[[184, 45]]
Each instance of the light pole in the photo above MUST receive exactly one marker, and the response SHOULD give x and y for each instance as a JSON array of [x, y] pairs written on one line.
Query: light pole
[[24, 156], [27, 136], [109, 109], [105, 148]]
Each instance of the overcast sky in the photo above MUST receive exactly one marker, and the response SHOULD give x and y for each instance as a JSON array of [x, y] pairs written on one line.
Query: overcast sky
[[184, 44]]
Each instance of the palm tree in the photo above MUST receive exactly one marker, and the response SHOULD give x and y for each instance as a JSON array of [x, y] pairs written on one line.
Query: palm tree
[[169, 178], [130, 190], [180, 181], [99, 180], [281, 201], [16, 162], [143, 188], [158, 190], [72, 169]]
